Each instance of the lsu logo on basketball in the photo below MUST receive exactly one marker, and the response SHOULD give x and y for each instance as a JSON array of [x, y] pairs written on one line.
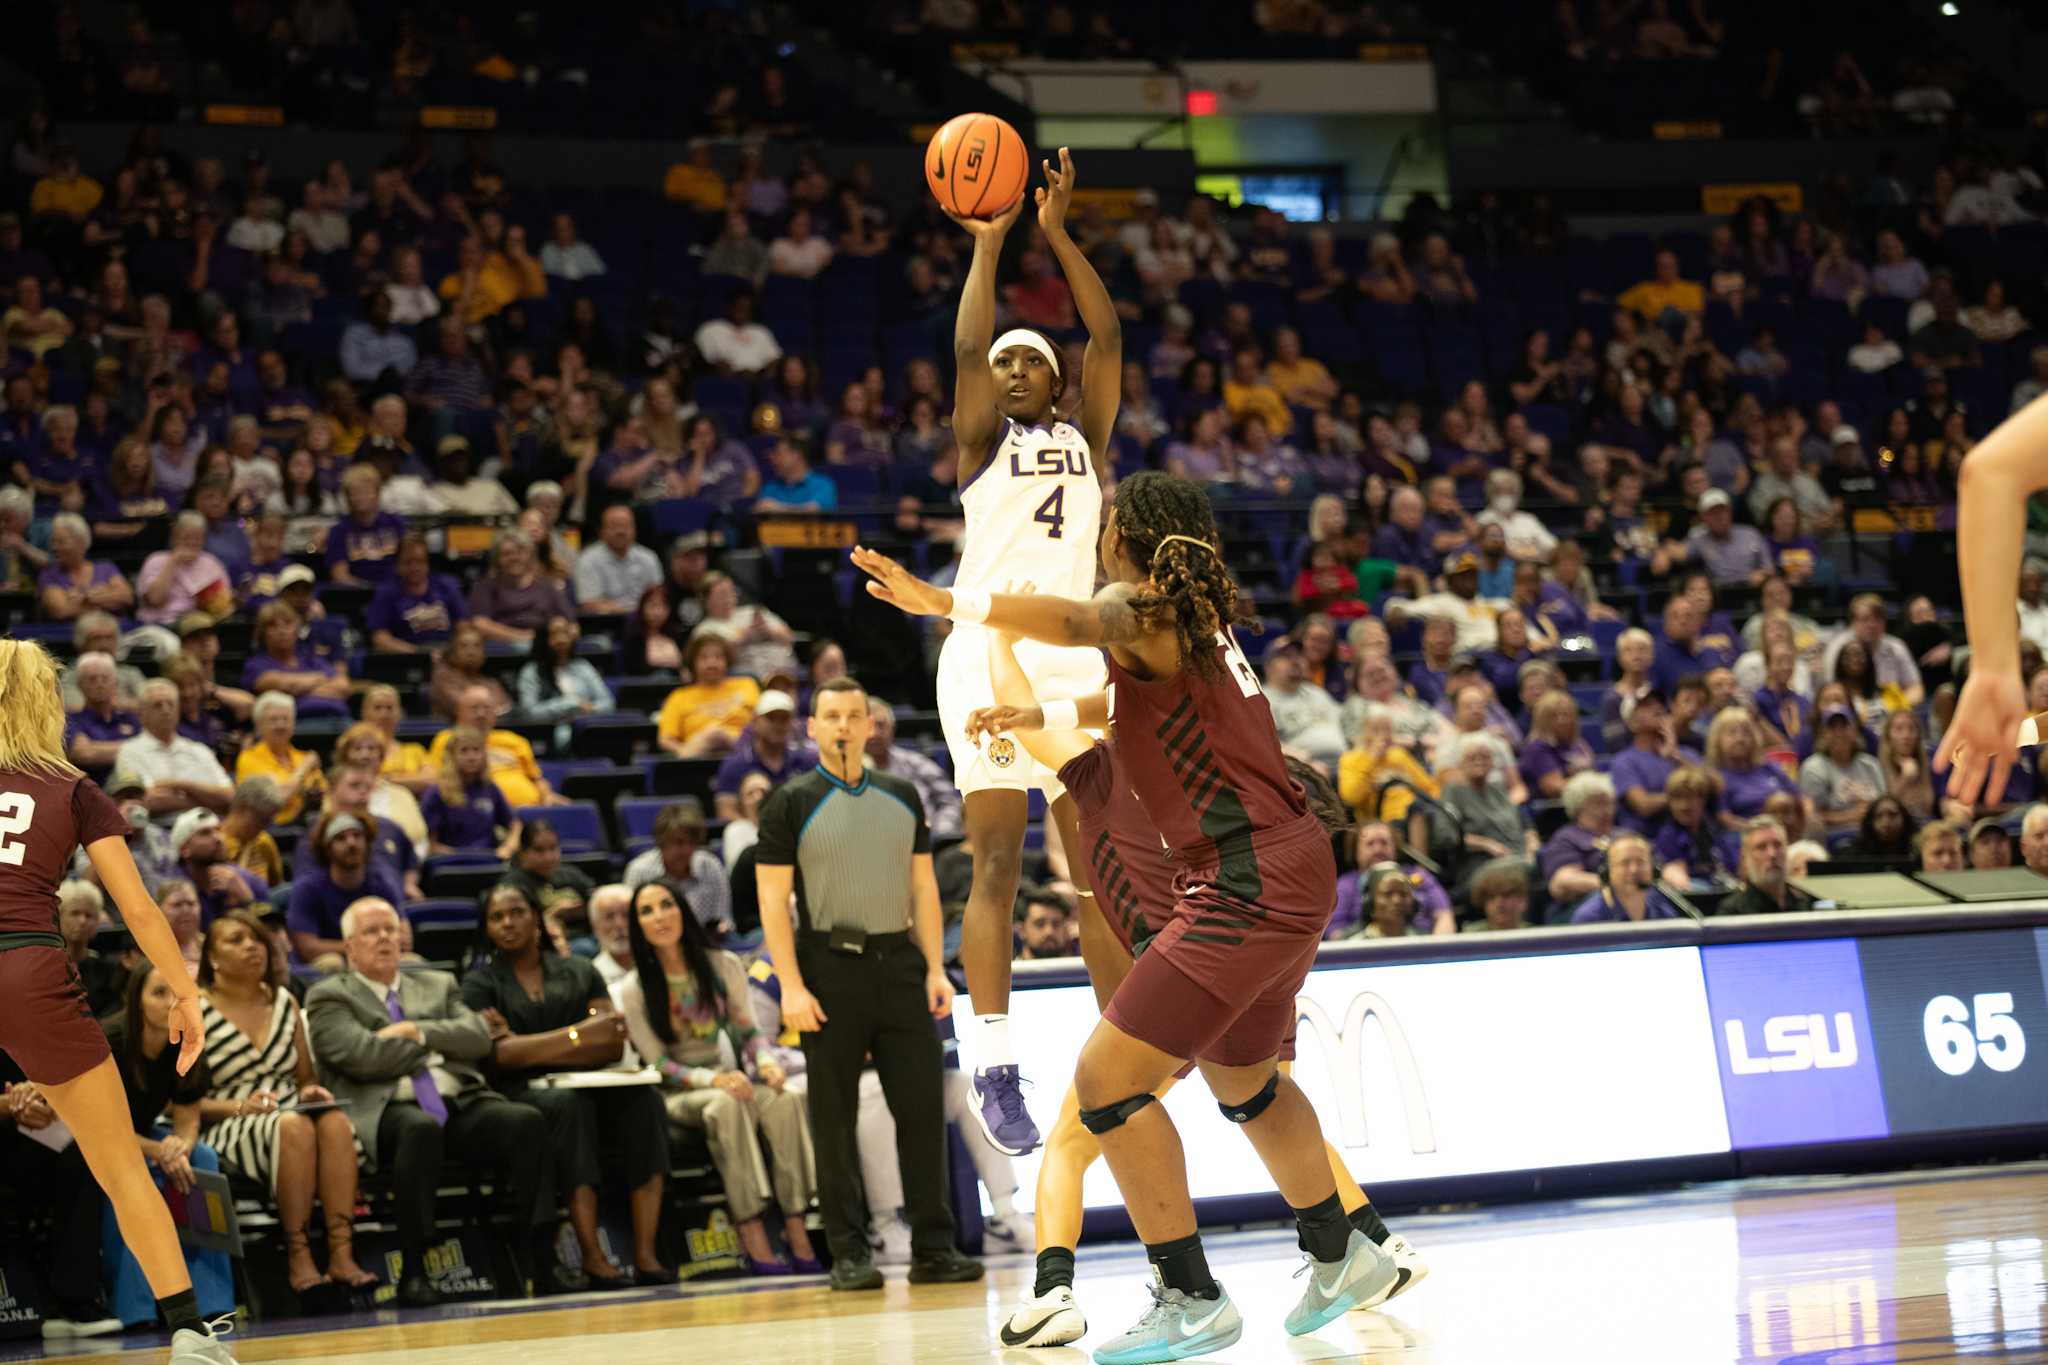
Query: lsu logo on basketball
[[1002, 751], [970, 160]]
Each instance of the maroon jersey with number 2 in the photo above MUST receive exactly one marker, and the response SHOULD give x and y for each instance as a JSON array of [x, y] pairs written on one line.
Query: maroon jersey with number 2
[[1254, 881], [45, 1023]]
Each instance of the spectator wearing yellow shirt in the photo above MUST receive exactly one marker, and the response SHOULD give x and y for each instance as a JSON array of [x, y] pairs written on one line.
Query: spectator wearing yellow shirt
[[1303, 381], [509, 756], [696, 182], [1376, 759], [295, 771], [705, 718], [1249, 391], [245, 832], [65, 192], [485, 283], [404, 763], [1654, 297]]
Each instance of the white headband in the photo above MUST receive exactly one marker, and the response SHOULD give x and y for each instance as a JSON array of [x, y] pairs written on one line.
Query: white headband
[[1018, 336]]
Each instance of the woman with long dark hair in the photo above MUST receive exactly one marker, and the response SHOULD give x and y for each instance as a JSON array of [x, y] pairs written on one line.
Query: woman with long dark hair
[[556, 685], [550, 1012], [687, 1009], [1887, 831], [651, 645], [46, 1025]]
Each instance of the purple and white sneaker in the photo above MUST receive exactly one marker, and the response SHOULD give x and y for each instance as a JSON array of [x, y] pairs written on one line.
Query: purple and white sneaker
[[999, 1109]]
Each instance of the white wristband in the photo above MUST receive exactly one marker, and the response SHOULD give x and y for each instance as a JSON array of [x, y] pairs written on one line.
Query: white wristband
[[970, 605], [1060, 715]]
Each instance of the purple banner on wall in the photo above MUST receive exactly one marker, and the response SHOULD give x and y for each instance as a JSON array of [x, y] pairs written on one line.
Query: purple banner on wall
[[1794, 1043]]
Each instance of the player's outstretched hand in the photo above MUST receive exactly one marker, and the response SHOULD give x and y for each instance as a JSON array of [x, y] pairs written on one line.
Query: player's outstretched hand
[[997, 720], [991, 230], [188, 1030], [1982, 736], [899, 587], [1056, 193]]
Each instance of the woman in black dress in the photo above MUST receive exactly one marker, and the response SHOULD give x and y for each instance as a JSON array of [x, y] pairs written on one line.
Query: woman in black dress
[[548, 1013]]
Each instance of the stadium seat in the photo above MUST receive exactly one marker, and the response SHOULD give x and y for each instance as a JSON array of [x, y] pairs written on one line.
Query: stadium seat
[[577, 824], [636, 816]]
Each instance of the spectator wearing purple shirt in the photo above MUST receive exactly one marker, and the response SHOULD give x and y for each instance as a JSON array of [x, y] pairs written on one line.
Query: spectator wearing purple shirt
[[221, 884], [1554, 753], [1429, 677], [59, 471], [1267, 467], [1641, 771], [450, 380], [1571, 862], [1694, 846], [515, 598], [97, 730], [1375, 848], [464, 811], [226, 541], [768, 746], [282, 664], [1628, 894], [1733, 555], [416, 607], [1681, 651], [1402, 540], [1735, 754], [362, 548], [70, 584], [722, 470], [1206, 456], [341, 874]]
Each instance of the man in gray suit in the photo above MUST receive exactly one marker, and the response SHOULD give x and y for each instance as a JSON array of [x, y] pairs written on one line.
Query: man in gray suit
[[405, 1052]]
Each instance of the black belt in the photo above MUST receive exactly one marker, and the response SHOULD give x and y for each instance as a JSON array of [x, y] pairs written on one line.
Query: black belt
[[850, 941], [33, 938]]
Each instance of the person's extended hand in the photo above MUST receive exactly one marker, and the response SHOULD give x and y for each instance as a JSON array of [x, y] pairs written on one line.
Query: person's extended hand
[[1983, 736], [996, 720], [990, 231], [900, 588], [800, 1009], [187, 1031], [1056, 194]]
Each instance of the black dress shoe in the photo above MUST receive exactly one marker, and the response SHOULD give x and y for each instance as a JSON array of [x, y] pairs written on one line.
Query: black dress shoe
[[663, 1278], [944, 1267], [416, 1290], [851, 1272]]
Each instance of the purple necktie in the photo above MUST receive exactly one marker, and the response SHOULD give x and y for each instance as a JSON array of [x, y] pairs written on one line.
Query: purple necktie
[[424, 1092]]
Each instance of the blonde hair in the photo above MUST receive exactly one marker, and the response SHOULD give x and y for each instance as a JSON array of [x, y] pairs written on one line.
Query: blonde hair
[[31, 712], [452, 791], [1717, 734], [359, 733]]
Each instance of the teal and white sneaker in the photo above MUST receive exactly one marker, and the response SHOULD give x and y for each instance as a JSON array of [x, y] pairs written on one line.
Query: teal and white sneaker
[[1175, 1327], [1365, 1275]]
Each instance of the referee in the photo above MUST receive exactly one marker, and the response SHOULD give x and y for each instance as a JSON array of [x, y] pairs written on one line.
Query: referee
[[862, 977]]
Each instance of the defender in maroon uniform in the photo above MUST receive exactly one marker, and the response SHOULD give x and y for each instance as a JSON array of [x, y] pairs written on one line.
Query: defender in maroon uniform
[[47, 809], [1133, 882], [1255, 883]]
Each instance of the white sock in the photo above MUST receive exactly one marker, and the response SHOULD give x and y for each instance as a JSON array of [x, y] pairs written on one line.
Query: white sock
[[993, 1046], [1005, 1206]]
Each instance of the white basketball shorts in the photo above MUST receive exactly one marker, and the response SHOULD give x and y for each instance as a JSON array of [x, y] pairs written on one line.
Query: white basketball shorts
[[1057, 674]]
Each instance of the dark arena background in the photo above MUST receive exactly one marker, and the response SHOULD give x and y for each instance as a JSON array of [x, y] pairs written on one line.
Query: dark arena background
[[1580, 389]]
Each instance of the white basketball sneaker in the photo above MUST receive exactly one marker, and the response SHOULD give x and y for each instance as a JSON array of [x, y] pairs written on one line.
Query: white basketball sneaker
[[203, 1348], [1410, 1268], [1051, 1319]]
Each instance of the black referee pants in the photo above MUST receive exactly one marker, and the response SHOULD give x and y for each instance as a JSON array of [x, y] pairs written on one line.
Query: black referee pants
[[874, 1004]]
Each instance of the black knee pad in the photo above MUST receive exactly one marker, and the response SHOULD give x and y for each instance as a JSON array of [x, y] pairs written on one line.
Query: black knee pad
[[1256, 1105], [1100, 1121]]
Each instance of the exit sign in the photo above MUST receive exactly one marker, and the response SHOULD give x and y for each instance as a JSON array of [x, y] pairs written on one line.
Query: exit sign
[[1201, 103]]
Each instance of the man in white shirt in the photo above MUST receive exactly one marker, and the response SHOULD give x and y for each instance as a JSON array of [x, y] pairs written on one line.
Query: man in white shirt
[[2033, 604], [463, 491], [797, 252], [177, 773], [609, 906], [611, 575], [1889, 655], [565, 256], [1306, 717], [1460, 603], [736, 343]]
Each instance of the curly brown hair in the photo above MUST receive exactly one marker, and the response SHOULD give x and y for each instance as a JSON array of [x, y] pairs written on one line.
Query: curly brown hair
[[1190, 588]]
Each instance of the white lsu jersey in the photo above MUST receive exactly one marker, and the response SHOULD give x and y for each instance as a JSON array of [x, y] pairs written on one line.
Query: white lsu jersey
[[1034, 512]]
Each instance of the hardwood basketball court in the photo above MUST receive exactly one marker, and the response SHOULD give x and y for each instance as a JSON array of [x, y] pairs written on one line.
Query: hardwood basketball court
[[1830, 1271]]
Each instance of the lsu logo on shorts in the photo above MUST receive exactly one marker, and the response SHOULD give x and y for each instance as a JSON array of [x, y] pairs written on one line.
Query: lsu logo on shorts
[[1002, 751]]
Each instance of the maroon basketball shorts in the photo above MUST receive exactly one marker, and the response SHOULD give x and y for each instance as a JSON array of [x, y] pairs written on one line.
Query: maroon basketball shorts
[[46, 1024], [1218, 983]]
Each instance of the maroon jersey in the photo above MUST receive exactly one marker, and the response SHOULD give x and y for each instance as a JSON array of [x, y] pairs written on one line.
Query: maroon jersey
[[1133, 881], [42, 819], [1204, 760]]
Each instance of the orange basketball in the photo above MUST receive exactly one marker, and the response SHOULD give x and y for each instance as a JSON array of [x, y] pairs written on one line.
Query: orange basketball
[[976, 166]]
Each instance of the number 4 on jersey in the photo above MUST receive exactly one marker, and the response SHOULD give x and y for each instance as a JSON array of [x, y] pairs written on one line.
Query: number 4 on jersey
[[1053, 511]]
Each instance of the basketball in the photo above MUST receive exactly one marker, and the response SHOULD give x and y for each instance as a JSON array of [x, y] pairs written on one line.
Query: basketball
[[976, 166]]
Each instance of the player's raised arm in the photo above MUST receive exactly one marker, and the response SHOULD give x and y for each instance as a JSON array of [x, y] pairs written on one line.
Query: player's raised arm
[[1108, 618], [975, 419], [1102, 367], [2010, 466]]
